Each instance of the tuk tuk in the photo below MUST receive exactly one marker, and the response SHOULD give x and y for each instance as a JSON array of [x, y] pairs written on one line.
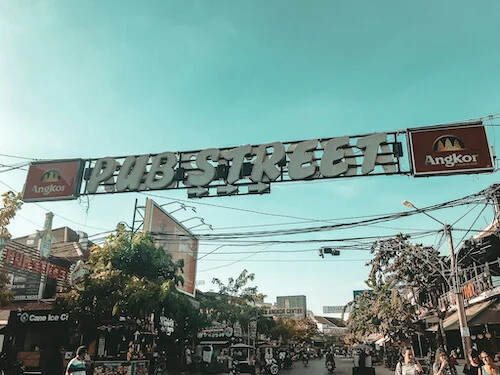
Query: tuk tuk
[[244, 356]]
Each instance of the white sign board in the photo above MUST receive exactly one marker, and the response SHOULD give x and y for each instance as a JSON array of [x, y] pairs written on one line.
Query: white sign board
[[336, 309]]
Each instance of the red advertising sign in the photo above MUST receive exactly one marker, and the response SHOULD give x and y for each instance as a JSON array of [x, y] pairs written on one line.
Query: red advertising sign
[[448, 150], [35, 265], [175, 239], [54, 180]]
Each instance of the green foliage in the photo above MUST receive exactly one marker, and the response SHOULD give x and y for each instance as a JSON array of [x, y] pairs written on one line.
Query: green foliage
[[11, 204], [398, 269], [129, 277], [234, 300], [298, 330]]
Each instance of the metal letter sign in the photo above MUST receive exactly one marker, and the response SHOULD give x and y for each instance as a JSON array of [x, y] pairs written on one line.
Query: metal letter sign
[[240, 170], [245, 169]]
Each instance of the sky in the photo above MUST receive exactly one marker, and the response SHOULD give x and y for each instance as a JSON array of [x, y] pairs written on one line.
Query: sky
[[87, 79]]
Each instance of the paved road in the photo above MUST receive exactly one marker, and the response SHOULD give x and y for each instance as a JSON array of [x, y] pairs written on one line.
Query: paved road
[[317, 367]]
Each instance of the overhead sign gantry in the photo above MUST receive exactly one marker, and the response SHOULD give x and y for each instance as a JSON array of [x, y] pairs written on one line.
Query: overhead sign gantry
[[251, 169]]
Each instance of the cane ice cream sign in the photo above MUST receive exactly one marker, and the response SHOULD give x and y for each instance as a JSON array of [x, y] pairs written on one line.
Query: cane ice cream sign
[[460, 149]]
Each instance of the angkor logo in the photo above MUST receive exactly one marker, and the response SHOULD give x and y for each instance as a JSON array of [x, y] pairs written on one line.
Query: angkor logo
[[51, 176], [448, 143]]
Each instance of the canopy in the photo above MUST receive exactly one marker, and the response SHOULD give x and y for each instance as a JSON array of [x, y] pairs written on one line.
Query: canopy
[[451, 322]]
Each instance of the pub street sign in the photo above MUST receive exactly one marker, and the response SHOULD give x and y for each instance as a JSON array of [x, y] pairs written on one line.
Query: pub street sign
[[251, 169]]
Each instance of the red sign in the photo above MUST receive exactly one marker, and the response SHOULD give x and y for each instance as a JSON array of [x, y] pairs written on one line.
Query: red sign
[[25, 262], [447, 150], [53, 180], [175, 239]]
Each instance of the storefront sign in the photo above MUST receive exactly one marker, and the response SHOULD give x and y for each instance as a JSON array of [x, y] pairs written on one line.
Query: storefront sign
[[40, 317], [448, 150], [281, 313], [337, 309], [53, 180], [216, 332], [77, 276], [36, 266]]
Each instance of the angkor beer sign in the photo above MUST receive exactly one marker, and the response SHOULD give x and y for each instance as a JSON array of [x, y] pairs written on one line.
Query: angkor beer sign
[[250, 169], [245, 169], [459, 149]]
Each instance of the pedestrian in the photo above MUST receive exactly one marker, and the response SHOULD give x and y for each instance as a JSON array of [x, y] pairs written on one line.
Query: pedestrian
[[489, 367], [408, 366], [77, 365], [473, 366], [442, 365]]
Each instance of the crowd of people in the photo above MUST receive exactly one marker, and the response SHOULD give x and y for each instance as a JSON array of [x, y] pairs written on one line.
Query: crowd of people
[[478, 363]]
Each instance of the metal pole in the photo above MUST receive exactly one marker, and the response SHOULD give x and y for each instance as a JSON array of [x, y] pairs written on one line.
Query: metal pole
[[459, 299]]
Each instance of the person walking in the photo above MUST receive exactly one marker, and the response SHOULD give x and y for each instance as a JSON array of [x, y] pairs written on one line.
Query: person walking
[[442, 365], [489, 367], [473, 366], [77, 365], [408, 366]]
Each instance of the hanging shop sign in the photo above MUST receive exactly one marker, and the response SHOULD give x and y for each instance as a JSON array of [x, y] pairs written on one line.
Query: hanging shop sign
[[53, 180], [448, 150]]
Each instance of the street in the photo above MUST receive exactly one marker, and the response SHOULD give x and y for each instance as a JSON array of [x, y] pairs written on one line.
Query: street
[[317, 367]]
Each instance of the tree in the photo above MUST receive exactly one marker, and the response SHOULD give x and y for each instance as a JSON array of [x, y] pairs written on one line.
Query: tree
[[236, 289], [128, 277], [11, 204], [234, 302], [399, 269]]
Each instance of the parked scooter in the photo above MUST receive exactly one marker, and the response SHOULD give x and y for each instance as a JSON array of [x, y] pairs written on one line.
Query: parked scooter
[[272, 366], [234, 368]]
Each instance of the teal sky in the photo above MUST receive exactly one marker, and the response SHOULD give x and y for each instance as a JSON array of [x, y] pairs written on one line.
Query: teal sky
[[98, 78]]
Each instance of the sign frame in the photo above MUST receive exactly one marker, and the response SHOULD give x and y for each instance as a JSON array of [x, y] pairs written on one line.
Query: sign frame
[[429, 129], [77, 182]]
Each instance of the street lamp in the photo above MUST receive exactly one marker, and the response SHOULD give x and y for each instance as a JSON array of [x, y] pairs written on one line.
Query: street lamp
[[455, 284]]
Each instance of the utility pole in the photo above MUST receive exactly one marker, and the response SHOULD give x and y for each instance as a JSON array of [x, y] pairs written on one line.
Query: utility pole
[[459, 298]]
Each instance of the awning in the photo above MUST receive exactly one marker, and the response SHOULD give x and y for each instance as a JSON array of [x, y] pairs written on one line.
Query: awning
[[451, 323], [490, 315]]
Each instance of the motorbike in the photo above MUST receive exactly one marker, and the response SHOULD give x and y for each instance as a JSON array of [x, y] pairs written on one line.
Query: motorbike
[[330, 366], [305, 359], [272, 366], [234, 368], [287, 362]]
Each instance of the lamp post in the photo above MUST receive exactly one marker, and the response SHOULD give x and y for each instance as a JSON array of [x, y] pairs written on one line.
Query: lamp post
[[455, 283]]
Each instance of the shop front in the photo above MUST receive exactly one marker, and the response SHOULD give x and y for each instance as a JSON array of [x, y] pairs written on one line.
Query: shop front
[[39, 338], [213, 348], [125, 348]]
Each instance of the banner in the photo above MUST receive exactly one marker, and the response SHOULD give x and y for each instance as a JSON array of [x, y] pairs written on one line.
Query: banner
[[448, 150], [176, 239]]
